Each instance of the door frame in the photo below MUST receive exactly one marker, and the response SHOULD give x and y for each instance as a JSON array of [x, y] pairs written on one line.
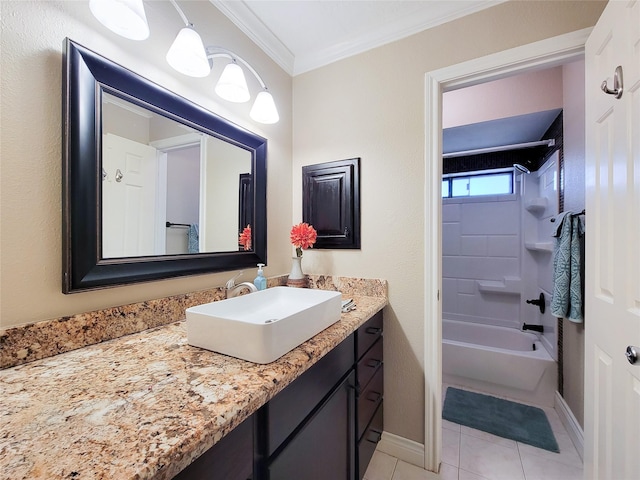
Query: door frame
[[164, 146], [542, 54]]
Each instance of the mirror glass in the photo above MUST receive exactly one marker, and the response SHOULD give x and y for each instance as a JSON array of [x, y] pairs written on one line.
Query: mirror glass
[[167, 188], [154, 186]]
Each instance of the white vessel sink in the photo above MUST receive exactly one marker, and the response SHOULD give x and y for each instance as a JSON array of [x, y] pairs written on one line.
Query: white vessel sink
[[262, 326]]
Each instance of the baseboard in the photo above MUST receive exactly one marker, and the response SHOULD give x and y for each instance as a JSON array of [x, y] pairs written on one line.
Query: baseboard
[[570, 423], [402, 448]]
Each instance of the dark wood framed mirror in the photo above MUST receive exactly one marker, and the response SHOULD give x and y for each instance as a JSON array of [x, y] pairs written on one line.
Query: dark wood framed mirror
[[101, 200]]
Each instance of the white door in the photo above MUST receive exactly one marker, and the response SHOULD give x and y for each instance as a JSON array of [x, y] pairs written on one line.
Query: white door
[[128, 198], [612, 309]]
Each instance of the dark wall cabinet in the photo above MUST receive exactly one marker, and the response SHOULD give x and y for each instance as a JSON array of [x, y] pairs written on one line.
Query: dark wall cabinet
[[331, 202], [325, 425]]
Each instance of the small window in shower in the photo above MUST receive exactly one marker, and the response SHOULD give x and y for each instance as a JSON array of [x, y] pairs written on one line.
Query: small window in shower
[[469, 184]]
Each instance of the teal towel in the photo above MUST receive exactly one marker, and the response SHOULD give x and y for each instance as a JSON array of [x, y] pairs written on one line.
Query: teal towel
[[567, 285], [194, 238]]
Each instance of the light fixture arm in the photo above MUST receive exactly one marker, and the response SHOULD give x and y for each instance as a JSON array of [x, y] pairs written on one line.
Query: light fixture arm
[[217, 52], [181, 13]]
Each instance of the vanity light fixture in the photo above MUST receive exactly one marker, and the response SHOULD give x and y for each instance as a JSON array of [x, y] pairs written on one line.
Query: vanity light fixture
[[188, 55], [232, 85], [124, 17], [264, 108]]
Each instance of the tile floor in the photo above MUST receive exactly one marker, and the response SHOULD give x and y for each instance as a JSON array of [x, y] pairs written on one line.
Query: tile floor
[[469, 454]]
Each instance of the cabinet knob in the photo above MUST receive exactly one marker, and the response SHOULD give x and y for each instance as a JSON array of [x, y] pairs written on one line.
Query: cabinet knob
[[374, 436], [374, 363], [374, 397]]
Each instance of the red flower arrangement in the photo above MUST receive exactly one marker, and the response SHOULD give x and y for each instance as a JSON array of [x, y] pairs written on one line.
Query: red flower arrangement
[[303, 236], [245, 238]]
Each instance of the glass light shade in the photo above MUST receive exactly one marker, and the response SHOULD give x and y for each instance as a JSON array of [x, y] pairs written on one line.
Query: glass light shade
[[264, 109], [124, 17], [232, 85], [187, 54]]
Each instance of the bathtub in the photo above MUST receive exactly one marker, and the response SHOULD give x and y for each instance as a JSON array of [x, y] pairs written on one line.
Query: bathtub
[[498, 360]]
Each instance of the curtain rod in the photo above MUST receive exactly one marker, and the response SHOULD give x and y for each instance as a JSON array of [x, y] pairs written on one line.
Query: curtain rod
[[501, 148]]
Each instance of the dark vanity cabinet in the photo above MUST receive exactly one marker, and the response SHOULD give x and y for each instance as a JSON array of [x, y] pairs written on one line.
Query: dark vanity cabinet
[[324, 425], [229, 459], [323, 447], [307, 431], [370, 388]]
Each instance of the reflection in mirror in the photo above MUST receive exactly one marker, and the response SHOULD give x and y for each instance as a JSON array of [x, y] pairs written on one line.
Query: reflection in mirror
[[167, 188], [149, 177]]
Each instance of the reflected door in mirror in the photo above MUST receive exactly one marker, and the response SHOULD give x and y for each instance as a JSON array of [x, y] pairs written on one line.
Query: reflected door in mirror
[[169, 189], [129, 198]]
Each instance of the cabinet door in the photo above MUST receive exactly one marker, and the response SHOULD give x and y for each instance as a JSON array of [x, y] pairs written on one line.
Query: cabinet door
[[229, 459], [289, 409], [324, 448], [331, 202]]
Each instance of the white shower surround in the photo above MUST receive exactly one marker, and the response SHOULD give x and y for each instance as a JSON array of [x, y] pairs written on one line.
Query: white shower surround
[[498, 360], [482, 245]]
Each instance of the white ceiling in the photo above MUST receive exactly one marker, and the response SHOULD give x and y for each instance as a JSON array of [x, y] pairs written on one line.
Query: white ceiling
[[301, 35]]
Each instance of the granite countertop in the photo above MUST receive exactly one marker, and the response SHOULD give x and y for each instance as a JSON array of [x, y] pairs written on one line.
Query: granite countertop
[[143, 405]]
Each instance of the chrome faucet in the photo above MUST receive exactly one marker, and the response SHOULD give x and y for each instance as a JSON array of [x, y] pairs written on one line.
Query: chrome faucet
[[233, 290]]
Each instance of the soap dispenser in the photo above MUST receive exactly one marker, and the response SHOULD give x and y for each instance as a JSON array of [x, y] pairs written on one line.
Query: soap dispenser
[[260, 282]]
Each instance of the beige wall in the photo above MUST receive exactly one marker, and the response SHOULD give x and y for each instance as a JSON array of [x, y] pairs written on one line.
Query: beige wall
[[574, 199], [372, 106], [225, 163], [30, 162]]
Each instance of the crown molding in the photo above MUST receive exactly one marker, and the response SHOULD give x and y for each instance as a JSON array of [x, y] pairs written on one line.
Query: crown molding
[[390, 32], [244, 18]]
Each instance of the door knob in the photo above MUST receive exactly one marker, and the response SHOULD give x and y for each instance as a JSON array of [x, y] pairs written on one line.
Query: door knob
[[632, 354]]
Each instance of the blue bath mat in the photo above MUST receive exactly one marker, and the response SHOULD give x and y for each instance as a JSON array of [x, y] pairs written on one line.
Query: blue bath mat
[[504, 418]]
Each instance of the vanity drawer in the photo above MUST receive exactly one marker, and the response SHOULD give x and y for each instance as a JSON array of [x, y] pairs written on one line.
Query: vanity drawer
[[368, 333], [283, 413], [369, 364], [369, 441], [369, 400]]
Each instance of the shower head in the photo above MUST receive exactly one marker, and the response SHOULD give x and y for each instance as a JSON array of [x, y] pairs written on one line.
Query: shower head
[[521, 168]]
